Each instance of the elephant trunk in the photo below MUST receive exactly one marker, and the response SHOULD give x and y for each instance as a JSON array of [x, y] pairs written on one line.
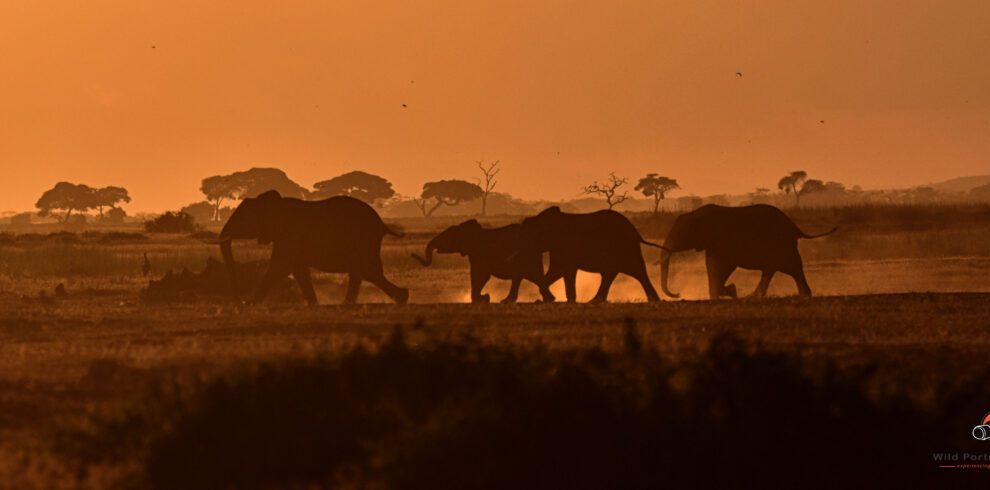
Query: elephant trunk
[[430, 247], [665, 273], [228, 258]]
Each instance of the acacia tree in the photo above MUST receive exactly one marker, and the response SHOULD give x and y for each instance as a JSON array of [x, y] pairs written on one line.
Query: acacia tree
[[255, 181], [249, 183], [797, 183], [446, 192], [357, 184], [609, 190], [489, 172], [216, 189], [108, 197], [65, 196], [657, 187], [760, 195]]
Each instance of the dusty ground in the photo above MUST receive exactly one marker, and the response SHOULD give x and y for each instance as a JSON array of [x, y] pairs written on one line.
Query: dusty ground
[[920, 319]]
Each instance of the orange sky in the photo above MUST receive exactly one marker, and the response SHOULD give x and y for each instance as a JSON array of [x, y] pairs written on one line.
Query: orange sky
[[634, 86]]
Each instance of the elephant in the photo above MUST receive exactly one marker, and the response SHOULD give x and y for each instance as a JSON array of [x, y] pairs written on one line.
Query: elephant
[[339, 234], [757, 237], [603, 241], [489, 252]]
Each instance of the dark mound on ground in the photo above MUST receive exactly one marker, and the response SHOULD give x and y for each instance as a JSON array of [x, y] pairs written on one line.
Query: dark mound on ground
[[214, 282], [459, 414]]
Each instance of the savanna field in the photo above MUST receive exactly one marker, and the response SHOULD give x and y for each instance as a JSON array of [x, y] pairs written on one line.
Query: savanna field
[[111, 385]]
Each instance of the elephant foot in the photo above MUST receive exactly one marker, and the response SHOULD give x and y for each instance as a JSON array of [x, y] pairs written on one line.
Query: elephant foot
[[482, 299], [598, 301], [401, 296], [730, 291], [509, 300]]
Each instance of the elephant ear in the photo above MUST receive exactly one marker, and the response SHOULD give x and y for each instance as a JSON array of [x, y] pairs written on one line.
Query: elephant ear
[[268, 219], [705, 230], [470, 236]]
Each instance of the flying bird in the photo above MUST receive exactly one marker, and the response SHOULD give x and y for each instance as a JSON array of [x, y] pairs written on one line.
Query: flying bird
[[821, 122], [403, 105], [146, 266], [738, 73]]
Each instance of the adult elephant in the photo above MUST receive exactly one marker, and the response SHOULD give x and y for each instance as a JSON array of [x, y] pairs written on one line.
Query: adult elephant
[[604, 242], [339, 234], [491, 252], [758, 237]]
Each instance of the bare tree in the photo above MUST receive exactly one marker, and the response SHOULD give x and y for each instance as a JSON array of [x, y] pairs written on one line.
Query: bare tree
[[609, 190], [489, 171]]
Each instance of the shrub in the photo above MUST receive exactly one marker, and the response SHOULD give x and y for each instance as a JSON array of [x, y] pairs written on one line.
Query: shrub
[[203, 212], [115, 216], [172, 222], [21, 219], [459, 414]]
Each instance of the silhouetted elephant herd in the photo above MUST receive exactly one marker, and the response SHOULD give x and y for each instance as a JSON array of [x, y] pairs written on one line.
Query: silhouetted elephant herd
[[343, 234]]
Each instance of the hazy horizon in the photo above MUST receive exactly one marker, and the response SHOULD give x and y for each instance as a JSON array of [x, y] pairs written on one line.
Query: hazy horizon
[[154, 97]]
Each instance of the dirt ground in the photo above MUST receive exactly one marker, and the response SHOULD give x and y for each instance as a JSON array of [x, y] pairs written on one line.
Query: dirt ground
[[920, 320]]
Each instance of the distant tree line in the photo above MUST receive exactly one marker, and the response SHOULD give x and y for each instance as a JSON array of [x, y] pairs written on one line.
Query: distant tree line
[[66, 198], [68, 202]]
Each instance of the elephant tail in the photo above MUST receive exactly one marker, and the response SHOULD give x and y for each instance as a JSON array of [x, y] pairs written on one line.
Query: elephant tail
[[657, 245], [829, 232]]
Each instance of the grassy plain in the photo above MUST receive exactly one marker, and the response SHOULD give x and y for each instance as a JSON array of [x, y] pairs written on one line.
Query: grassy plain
[[911, 299]]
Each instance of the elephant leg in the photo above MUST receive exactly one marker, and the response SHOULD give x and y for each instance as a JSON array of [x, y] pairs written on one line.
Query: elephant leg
[[553, 275], [305, 282], [640, 274], [602, 295], [478, 280], [570, 285], [276, 272], [795, 269], [718, 273], [541, 283], [398, 294], [513, 290], [761, 289], [802, 282], [353, 288]]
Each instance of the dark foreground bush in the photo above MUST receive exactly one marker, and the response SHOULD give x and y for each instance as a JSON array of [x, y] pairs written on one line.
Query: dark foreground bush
[[458, 414]]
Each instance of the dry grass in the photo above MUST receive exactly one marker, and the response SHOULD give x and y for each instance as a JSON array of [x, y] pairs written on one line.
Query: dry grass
[[914, 301]]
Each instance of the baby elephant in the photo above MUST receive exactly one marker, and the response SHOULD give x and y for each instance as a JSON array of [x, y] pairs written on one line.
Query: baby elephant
[[491, 252]]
